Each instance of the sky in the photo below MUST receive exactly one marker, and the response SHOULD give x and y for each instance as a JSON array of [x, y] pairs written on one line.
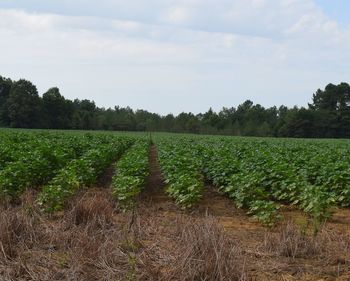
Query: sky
[[170, 56]]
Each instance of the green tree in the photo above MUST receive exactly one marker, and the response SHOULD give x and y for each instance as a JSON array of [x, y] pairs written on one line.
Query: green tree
[[57, 111], [85, 115], [168, 123], [333, 97], [333, 110], [299, 123], [24, 105], [5, 88]]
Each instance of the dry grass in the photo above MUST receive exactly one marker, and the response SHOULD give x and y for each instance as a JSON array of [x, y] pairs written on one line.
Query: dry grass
[[192, 249], [290, 241], [81, 244], [16, 227], [91, 254], [93, 207], [206, 253], [91, 241], [336, 247]]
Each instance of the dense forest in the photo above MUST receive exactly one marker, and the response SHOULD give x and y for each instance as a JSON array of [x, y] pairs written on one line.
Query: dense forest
[[327, 116]]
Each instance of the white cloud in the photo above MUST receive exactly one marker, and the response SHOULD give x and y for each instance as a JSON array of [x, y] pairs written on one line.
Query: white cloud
[[190, 54], [177, 15], [17, 20], [127, 26]]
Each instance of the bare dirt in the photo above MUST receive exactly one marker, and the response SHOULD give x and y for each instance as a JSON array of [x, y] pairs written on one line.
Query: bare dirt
[[93, 240]]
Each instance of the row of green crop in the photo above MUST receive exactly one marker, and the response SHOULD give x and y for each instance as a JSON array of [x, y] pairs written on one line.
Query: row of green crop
[[81, 172], [131, 173], [181, 168], [257, 174], [38, 165], [43, 158], [19, 145], [60, 164]]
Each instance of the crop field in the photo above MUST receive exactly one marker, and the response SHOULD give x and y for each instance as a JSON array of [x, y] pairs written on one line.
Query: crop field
[[139, 206]]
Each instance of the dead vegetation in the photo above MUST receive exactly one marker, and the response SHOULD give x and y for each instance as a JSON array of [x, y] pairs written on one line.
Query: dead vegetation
[[291, 241], [82, 244], [92, 207], [308, 257], [187, 249], [91, 240], [207, 253], [16, 229]]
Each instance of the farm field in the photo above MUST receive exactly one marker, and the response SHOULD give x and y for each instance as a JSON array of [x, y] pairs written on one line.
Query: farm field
[[133, 206]]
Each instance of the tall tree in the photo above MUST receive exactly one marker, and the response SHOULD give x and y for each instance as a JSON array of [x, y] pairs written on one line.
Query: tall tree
[[24, 105], [5, 88], [85, 113], [56, 109], [333, 97], [333, 107]]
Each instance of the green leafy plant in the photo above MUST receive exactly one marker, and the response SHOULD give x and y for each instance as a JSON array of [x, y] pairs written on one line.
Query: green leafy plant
[[181, 168], [131, 172], [80, 173]]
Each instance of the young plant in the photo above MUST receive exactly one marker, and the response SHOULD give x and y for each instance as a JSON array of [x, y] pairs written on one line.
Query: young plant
[[131, 173]]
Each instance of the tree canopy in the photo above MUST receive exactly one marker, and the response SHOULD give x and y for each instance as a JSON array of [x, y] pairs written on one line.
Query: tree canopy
[[327, 116]]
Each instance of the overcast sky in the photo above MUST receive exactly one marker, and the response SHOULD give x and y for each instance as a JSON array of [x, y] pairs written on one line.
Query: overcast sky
[[177, 55]]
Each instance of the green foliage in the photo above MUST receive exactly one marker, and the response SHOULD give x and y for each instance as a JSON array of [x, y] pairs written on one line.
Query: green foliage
[[33, 159], [57, 110], [264, 211], [24, 105], [5, 88], [316, 202], [181, 167], [257, 174], [328, 116], [311, 174], [131, 172], [80, 173]]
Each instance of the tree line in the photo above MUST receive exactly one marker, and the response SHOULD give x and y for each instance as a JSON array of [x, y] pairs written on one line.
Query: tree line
[[327, 116]]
